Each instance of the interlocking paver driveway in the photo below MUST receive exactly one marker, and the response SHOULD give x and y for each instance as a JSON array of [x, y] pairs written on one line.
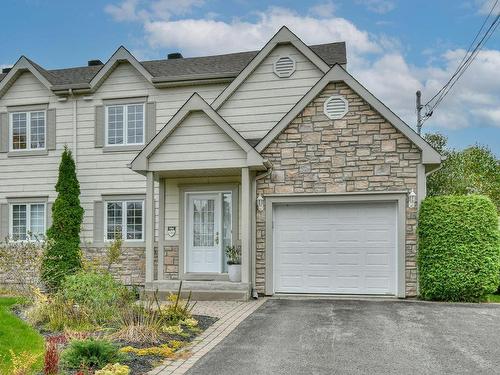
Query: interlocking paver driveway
[[289, 336]]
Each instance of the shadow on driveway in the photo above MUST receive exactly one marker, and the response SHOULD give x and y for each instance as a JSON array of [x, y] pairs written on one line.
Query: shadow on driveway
[[289, 336]]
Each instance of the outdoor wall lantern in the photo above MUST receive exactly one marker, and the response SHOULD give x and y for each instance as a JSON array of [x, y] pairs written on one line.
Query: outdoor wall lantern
[[260, 203], [412, 199]]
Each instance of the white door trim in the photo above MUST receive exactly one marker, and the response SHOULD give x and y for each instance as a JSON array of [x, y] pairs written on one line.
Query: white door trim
[[398, 197], [216, 248]]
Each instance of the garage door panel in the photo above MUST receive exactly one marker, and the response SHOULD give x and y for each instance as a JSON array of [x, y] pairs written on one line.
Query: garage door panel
[[335, 248]]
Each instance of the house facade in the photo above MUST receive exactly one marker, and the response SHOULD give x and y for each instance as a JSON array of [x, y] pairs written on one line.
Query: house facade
[[280, 152]]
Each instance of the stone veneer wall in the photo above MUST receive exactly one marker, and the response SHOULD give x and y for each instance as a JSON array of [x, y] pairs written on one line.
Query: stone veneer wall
[[362, 152]]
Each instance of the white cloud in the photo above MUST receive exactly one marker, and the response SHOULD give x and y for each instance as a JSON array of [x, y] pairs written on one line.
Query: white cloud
[[378, 6], [376, 60], [323, 9], [136, 10], [486, 5], [195, 36]]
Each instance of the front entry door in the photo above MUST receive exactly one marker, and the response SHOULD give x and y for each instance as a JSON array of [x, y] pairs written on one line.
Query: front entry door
[[203, 233]]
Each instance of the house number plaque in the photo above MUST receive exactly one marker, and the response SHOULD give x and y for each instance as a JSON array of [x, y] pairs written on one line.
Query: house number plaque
[[171, 231]]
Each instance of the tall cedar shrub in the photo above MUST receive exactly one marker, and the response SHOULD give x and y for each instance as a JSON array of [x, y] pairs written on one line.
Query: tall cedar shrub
[[459, 248], [63, 255]]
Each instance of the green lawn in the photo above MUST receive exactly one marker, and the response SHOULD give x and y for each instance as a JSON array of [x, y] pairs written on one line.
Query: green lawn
[[495, 298], [16, 335]]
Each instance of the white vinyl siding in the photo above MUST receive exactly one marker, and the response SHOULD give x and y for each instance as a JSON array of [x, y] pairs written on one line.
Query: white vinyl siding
[[27, 221], [28, 130], [264, 98], [198, 143], [125, 124]]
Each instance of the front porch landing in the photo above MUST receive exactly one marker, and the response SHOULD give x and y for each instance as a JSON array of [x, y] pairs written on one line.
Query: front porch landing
[[201, 290]]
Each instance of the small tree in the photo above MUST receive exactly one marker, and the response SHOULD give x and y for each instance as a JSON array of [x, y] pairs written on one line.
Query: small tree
[[63, 256], [474, 170]]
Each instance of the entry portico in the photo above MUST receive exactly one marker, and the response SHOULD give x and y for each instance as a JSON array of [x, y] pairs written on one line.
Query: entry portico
[[200, 173]]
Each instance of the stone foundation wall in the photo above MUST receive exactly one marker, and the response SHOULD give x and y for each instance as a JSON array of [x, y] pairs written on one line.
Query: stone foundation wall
[[361, 152]]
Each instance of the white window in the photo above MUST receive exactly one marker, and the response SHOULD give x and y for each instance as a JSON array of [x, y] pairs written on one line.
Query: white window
[[125, 124], [28, 130], [125, 220], [27, 221]]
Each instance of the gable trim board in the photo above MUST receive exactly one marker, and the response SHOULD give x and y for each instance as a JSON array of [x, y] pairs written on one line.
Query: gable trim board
[[23, 65], [283, 36], [194, 103], [337, 73]]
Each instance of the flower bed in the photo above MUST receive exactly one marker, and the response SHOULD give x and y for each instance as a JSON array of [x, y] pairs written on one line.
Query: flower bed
[[105, 334]]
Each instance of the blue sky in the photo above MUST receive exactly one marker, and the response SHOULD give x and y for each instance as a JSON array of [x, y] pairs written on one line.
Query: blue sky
[[394, 47]]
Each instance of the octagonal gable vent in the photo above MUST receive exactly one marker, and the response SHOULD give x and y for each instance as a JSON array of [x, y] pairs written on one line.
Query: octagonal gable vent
[[335, 107], [284, 67]]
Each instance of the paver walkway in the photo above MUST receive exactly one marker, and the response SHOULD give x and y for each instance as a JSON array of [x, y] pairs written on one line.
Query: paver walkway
[[229, 313]]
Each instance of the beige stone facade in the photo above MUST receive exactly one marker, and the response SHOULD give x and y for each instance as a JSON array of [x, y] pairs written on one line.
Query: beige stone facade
[[362, 152]]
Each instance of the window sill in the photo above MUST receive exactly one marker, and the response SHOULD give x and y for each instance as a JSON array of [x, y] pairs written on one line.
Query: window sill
[[27, 153], [124, 148]]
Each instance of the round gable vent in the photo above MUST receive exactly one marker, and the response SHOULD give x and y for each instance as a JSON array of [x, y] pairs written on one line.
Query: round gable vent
[[335, 107], [284, 67]]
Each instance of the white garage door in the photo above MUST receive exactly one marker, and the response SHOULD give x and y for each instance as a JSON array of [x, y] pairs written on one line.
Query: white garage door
[[335, 248]]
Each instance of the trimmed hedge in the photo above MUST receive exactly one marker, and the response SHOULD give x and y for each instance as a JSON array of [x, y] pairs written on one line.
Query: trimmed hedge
[[459, 248]]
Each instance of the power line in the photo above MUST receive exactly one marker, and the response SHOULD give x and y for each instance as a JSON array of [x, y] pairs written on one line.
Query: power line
[[464, 64], [463, 67], [466, 53]]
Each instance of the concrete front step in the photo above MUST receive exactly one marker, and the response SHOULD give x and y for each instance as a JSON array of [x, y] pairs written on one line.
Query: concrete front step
[[201, 290]]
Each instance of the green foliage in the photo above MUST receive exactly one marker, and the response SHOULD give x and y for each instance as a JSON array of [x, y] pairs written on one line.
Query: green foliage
[[96, 292], [17, 339], [233, 254], [459, 248], [92, 353], [63, 256], [474, 170]]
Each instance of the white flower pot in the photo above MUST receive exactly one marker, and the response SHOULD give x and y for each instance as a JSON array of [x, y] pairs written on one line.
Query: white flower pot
[[234, 271]]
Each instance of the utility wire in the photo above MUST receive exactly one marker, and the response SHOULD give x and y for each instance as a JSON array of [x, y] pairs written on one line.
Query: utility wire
[[466, 54], [466, 61]]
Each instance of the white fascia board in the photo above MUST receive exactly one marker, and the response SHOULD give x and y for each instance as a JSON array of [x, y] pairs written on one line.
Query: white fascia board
[[194, 103], [121, 55], [283, 36], [22, 65], [339, 74]]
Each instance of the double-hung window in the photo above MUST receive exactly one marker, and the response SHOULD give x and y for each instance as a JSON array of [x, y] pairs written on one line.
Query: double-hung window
[[27, 221], [125, 124], [28, 130], [124, 220]]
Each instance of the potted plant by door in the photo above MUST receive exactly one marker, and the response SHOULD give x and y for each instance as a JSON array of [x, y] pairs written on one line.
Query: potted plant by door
[[233, 254]]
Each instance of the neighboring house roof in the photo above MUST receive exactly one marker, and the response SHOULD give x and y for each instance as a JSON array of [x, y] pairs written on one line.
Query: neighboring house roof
[[227, 65], [336, 74], [193, 104]]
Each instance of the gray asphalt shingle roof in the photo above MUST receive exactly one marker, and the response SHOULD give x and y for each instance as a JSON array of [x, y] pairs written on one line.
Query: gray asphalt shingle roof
[[229, 64]]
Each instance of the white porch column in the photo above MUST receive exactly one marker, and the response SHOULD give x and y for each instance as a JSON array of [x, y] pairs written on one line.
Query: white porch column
[[161, 229], [246, 224], [149, 226]]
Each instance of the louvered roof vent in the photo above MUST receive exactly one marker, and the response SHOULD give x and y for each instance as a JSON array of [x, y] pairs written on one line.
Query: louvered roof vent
[[336, 107], [284, 67]]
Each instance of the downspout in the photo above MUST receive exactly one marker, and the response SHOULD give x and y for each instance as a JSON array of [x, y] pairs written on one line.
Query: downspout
[[269, 167]]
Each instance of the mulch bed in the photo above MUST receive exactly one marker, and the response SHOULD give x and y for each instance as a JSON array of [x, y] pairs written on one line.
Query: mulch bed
[[138, 364]]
